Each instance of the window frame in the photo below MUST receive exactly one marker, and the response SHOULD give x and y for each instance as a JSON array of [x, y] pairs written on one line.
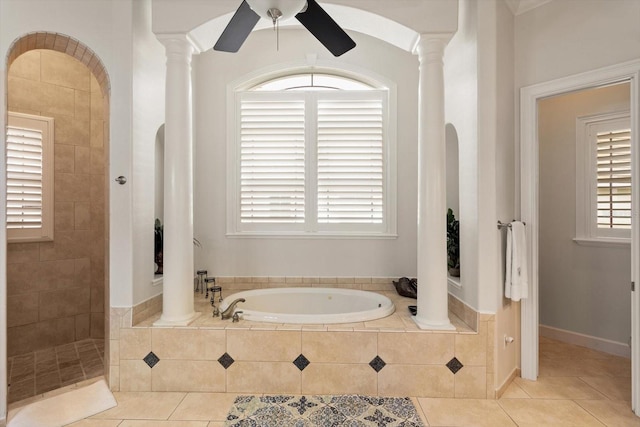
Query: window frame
[[44, 233], [587, 230], [310, 228]]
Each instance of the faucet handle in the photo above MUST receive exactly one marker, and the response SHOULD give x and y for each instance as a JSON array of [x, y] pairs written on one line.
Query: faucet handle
[[236, 317]]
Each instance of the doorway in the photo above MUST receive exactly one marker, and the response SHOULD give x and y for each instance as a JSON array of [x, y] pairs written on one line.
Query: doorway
[[57, 288], [531, 99]]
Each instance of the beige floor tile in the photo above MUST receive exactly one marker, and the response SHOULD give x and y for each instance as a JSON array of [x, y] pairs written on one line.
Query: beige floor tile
[[419, 410], [566, 367], [464, 412], [558, 388], [514, 391], [557, 349], [155, 423], [615, 366], [96, 423], [204, 406], [611, 413], [551, 413], [216, 424], [142, 405], [615, 388]]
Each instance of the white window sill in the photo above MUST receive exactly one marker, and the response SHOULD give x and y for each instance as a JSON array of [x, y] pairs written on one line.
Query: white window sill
[[603, 241], [319, 235]]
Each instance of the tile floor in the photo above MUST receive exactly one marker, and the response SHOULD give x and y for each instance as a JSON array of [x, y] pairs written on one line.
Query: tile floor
[[577, 387], [41, 371]]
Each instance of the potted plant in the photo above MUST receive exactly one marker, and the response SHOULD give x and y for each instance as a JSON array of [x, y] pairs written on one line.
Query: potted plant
[[453, 244], [158, 237]]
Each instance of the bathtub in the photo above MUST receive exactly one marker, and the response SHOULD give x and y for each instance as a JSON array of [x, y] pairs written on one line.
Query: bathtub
[[310, 305]]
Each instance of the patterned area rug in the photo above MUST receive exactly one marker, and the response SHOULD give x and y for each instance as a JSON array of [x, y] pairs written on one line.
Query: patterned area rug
[[323, 411]]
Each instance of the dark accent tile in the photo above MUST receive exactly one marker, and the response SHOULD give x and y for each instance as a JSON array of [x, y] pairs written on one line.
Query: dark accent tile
[[225, 360], [377, 364], [301, 362], [151, 359], [454, 365]]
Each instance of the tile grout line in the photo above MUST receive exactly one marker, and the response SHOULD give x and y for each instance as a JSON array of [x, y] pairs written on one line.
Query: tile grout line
[[178, 405], [506, 412]]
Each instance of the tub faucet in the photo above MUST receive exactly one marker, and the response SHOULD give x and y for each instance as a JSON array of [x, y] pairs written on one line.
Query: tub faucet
[[228, 312]]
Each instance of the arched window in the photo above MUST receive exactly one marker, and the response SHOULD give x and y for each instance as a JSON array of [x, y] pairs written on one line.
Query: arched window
[[312, 157]]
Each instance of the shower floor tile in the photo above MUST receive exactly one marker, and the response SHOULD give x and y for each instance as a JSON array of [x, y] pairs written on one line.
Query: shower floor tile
[[44, 370]]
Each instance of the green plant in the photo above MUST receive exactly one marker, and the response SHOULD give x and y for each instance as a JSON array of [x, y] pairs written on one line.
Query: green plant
[[158, 232], [158, 238], [453, 241]]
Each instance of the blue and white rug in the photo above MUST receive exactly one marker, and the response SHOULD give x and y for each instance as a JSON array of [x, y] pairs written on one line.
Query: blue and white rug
[[323, 411]]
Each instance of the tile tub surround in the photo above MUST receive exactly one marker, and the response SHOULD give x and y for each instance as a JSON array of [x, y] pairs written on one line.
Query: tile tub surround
[[392, 358]]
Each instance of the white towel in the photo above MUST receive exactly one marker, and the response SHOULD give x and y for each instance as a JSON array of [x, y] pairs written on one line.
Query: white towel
[[516, 285]]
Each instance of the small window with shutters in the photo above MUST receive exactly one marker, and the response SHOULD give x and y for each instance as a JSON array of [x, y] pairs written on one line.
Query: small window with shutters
[[604, 210], [29, 178], [312, 155]]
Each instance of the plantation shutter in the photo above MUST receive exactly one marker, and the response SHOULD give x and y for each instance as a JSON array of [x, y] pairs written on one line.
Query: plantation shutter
[[350, 160], [272, 158], [614, 179], [24, 178]]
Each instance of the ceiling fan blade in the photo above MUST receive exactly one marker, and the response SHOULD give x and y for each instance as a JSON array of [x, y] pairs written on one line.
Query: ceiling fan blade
[[325, 29], [238, 29]]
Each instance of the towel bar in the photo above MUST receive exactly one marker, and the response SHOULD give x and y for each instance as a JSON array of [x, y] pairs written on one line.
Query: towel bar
[[502, 225]]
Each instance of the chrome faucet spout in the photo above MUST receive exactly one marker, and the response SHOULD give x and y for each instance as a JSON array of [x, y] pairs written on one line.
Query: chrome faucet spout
[[228, 312]]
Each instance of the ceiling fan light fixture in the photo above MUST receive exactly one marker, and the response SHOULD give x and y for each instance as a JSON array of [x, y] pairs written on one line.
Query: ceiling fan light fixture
[[286, 8]]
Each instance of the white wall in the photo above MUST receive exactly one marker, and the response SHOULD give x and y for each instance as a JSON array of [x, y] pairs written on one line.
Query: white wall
[[224, 256], [583, 289], [508, 312], [562, 38], [461, 111], [567, 37], [148, 115]]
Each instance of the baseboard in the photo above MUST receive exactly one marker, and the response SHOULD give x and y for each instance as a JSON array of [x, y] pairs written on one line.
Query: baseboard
[[594, 343], [505, 385]]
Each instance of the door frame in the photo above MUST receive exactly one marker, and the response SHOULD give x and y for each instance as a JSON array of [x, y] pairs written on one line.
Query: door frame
[[529, 204]]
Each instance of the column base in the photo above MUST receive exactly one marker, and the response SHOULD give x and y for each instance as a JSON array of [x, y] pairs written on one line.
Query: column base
[[183, 321], [438, 326]]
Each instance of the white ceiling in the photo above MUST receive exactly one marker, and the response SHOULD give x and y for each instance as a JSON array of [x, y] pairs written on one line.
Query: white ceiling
[[521, 6]]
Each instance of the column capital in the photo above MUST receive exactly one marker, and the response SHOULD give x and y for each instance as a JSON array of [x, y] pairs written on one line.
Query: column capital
[[431, 43], [178, 43]]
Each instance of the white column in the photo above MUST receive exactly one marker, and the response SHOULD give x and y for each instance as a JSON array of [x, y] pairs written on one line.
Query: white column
[[177, 304], [432, 238]]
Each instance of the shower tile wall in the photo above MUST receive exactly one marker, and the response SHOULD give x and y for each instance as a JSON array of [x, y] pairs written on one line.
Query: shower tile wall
[[55, 289]]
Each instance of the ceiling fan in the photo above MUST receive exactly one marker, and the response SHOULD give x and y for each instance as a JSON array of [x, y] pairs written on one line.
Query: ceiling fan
[[307, 12]]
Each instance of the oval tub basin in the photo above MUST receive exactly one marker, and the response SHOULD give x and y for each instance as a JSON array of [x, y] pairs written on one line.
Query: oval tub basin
[[310, 305]]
